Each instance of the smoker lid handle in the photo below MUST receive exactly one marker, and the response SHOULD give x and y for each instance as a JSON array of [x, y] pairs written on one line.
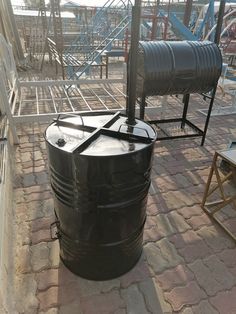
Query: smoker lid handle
[[134, 127]]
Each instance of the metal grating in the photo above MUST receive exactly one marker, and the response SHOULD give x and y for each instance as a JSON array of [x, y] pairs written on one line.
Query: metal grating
[[42, 100]]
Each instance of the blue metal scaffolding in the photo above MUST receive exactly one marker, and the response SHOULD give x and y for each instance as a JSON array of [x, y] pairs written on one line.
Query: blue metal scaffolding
[[97, 38]]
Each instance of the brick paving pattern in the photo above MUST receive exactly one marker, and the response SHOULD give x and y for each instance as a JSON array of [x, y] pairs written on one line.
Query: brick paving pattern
[[188, 263]]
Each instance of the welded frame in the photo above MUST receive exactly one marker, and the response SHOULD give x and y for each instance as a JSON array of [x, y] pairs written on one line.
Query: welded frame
[[14, 94], [84, 90], [183, 120]]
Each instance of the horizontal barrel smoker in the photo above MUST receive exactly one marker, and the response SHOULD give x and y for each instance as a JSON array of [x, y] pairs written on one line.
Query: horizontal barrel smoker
[[178, 67], [100, 175]]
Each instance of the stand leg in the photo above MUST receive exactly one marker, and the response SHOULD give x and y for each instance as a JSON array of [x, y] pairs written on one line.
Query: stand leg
[[208, 115], [186, 102], [142, 107], [101, 71], [106, 67]]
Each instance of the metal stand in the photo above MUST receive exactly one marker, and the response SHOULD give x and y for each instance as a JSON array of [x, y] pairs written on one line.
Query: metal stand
[[183, 120], [211, 208]]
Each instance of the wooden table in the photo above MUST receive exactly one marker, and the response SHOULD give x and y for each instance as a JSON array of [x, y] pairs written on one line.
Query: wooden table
[[228, 158]]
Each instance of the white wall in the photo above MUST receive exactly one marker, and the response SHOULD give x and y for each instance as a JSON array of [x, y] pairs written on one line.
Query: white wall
[[6, 227]]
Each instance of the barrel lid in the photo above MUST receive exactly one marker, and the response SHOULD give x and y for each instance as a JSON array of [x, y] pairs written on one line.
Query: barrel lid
[[99, 134]]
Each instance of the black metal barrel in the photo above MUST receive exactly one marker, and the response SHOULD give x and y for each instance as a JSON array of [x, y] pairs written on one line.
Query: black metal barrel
[[177, 67], [100, 175]]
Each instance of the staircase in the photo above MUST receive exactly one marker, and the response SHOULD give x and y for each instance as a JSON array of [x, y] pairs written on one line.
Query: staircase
[[94, 57], [108, 24]]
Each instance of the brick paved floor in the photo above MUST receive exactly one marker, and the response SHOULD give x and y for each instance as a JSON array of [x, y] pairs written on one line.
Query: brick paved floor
[[188, 263]]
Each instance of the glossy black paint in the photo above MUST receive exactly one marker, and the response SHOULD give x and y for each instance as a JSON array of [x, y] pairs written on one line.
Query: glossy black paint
[[177, 67], [100, 178]]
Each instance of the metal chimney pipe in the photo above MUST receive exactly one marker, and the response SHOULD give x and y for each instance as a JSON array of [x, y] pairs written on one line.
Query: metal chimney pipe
[[132, 63], [219, 22]]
